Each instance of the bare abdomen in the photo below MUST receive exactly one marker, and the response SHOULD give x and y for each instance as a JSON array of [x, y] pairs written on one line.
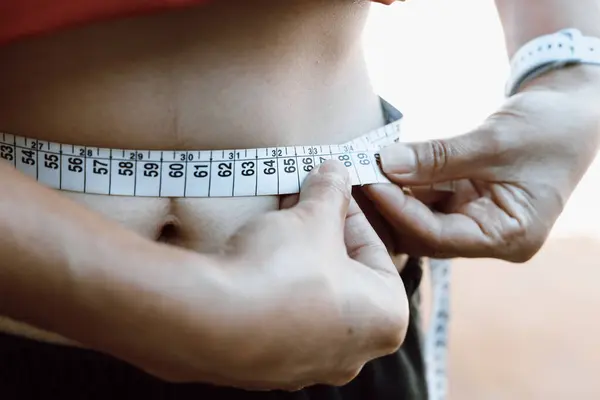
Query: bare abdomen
[[234, 75]]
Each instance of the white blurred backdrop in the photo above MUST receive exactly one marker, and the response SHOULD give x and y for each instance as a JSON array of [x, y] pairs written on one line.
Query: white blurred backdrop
[[518, 331]]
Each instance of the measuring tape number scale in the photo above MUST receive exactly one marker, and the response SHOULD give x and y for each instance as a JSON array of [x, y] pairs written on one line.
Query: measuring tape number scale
[[206, 173], [225, 173]]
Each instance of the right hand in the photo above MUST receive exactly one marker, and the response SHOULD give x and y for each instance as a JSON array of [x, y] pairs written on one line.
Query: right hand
[[312, 295], [330, 296]]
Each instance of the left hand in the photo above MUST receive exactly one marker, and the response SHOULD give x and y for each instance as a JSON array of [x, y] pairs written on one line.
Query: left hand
[[512, 175]]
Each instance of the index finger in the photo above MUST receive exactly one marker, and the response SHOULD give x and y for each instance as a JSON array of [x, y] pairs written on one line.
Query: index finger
[[449, 234], [363, 244]]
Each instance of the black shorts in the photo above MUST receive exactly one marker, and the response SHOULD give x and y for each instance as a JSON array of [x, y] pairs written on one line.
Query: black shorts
[[32, 370]]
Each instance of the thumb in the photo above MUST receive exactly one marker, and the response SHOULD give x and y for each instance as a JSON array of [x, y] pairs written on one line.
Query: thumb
[[326, 193], [439, 160]]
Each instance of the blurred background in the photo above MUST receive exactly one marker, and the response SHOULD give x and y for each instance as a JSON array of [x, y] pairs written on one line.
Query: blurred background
[[526, 331]]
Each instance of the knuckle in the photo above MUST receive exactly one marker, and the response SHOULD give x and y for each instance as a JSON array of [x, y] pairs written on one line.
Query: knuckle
[[437, 155], [519, 258], [375, 251], [522, 242], [292, 218], [308, 210], [526, 251], [390, 322], [304, 219], [332, 190], [337, 185], [395, 331]]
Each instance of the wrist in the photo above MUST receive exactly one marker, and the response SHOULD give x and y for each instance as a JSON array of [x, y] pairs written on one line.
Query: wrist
[[579, 79], [553, 61]]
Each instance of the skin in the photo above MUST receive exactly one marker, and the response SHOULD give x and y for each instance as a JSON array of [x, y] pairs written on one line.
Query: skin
[[94, 278], [138, 83], [515, 172], [101, 264]]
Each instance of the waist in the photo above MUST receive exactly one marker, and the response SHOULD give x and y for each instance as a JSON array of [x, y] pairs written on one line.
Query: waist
[[196, 223], [179, 81], [150, 107]]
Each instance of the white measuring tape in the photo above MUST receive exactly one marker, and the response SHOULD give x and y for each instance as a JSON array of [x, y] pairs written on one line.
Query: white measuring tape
[[212, 173], [436, 340], [224, 173]]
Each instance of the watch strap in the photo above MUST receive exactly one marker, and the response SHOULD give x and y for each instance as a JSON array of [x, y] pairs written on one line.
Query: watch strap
[[548, 52]]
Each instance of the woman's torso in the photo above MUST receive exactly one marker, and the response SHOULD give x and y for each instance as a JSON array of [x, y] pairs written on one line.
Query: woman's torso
[[234, 74]]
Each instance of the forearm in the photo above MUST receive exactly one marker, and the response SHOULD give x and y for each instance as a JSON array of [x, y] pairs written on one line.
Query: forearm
[[65, 269], [523, 20]]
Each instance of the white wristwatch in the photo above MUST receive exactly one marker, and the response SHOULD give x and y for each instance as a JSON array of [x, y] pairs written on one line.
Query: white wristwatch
[[548, 52]]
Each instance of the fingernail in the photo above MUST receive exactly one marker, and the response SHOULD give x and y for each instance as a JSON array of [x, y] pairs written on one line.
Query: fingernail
[[398, 159]]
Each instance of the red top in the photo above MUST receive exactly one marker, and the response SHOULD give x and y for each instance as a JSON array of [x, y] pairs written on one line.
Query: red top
[[21, 18]]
